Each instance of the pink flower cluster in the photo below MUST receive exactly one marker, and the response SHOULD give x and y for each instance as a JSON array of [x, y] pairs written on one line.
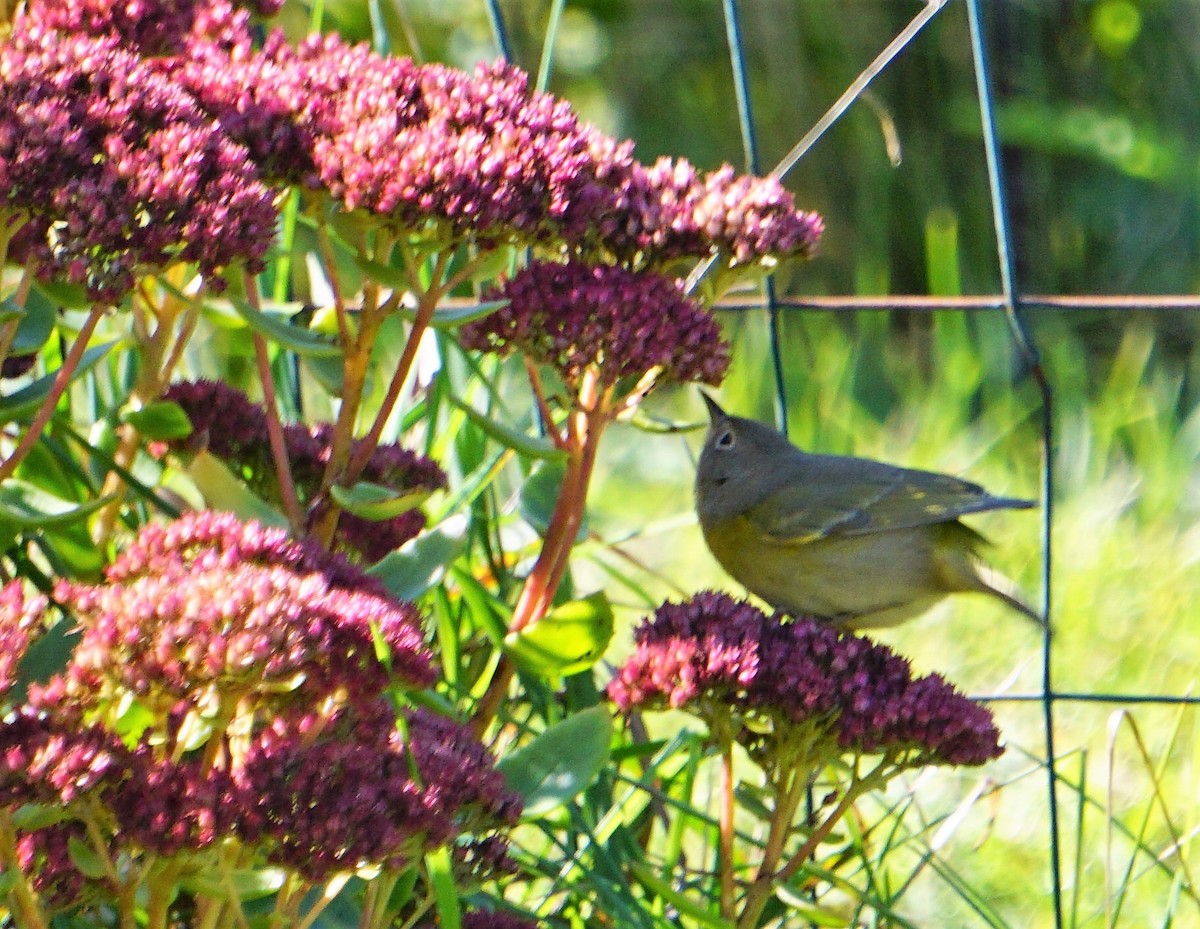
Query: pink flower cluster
[[322, 775], [233, 428], [713, 653], [479, 155], [209, 603], [623, 323], [19, 616], [115, 169], [152, 28]]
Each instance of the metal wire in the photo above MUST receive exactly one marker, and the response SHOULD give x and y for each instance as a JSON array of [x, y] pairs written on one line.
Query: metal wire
[[1024, 339], [1009, 301]]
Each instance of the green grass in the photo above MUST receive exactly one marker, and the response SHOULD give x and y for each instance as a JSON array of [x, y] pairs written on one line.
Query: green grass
[[946, 393]]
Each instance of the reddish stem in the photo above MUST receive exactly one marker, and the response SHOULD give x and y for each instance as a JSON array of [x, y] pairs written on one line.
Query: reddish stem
[[61, 380], [584, 428]]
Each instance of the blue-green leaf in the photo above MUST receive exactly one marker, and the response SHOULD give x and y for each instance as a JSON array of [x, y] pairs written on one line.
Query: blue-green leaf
[[519, 441], [539, 496], [36, 324], [421, 563], [295, 338], [454, 316], [27, 506], [558, 764]]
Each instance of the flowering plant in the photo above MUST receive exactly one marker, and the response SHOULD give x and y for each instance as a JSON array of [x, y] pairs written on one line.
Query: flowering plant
[[285, 622]]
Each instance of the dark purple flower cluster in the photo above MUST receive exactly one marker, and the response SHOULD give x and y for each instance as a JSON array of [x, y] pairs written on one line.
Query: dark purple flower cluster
[[496, 919], [211, 605], [117, 169], [232, 427], [224, 420], [45, 856], [716, 652], [17, 365], [623, 323], [152, 28], [341, 800], [19, 616]]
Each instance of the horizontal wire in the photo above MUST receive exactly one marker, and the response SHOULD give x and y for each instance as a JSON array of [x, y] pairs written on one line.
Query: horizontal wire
[[1064, 696]]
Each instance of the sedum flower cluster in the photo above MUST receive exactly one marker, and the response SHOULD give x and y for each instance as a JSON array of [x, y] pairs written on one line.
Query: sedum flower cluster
[[232, 427], [226, 690], [623, 324], [111, 170], [713, 655]]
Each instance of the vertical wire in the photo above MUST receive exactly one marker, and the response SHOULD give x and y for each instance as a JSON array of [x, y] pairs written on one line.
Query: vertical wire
[[741, 87], [1021, 335], [496, 18]]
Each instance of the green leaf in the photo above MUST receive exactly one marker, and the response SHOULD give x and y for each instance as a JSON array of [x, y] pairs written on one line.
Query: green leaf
[[27, 506], [421, 563], [300, 340], [376, 503], [85, 859], [445, 893], [245, 884], [539, 496], [29, 397], [561, 762], [387, 275], [568, 639], [34, 816], [686, 905], [47, 655], [37, 324], [455, 316], [223, 491], [68, 296], [519, 441], [161, 420]]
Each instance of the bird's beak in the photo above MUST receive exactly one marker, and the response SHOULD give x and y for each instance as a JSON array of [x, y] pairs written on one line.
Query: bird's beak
[[715, 413]]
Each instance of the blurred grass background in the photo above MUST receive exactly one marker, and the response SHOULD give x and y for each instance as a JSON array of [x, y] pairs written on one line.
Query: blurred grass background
[[1096, 105]]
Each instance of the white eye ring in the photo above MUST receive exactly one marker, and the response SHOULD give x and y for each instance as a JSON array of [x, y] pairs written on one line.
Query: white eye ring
[[726, 440]]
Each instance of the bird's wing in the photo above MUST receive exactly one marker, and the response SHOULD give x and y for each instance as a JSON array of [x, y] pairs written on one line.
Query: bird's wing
[[875, 499]]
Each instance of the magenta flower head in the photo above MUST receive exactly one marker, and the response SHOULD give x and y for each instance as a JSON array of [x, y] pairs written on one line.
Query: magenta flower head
[[620, 323], [670, 210], [151, 28], [19, 618], [115, 169], [208, 605], [714, 655]]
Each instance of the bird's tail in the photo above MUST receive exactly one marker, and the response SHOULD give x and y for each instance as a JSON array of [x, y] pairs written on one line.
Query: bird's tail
[[1001, 586], [961, 569]]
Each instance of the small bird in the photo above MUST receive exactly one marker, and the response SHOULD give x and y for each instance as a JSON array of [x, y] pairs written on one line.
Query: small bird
[[857, 543]]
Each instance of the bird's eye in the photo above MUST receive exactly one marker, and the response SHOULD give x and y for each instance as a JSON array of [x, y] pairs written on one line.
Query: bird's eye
[[726, 439]]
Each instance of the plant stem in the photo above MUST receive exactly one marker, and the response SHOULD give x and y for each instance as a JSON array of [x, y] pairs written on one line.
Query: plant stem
[[367, 445], [279, 453], [584, 428], [29, 913], [787, 801], [61, 380], [725, 862]]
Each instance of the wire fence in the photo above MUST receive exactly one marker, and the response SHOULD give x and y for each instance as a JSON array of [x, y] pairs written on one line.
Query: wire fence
[[1010, 300]]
